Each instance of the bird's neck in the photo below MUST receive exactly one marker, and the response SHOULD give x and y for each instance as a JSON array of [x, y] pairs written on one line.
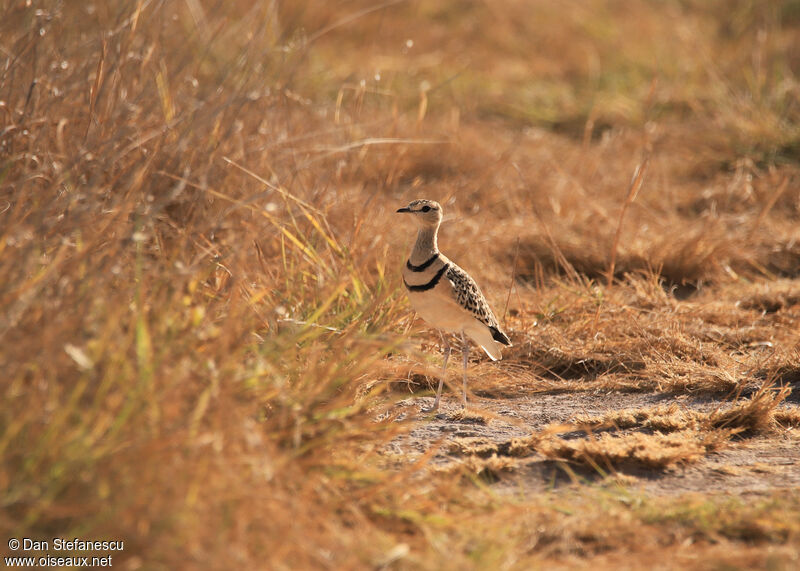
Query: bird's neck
[[426, 246]]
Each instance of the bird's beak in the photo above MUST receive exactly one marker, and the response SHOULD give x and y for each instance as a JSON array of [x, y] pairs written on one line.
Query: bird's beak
[[404, 209]]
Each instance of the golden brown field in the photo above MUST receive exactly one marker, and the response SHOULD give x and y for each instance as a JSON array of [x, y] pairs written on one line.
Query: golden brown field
[[206, 347]]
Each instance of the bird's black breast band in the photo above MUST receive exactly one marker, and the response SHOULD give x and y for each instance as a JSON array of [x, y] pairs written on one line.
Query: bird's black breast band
[[423, 266], [431, 284]]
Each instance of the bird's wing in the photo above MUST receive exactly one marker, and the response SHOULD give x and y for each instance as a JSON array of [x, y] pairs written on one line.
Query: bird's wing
[[467, 294]]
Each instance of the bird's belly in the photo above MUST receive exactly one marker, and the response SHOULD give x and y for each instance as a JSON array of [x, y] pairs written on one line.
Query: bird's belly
[[439, 311]]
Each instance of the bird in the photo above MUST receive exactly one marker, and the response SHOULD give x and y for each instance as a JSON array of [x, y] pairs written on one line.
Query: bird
[[446, 296]]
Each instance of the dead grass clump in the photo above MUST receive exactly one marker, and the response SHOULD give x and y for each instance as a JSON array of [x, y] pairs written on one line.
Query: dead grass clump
[[694, 257], [520, 447], [784, 371], [537, 259], [754, 416], [487, 469], [678, 258], [200, 265], [685, 443], [553, 360], [787, 417], [412, 383], [479, 447], [771, 302], [663, 418], [690, 435], [483, 448], [730, 517], [401, 377], [781, 259], [637, 450], [469, 416]]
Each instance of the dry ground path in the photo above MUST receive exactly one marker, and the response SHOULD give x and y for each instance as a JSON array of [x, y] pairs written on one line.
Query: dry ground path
[[744, 465]]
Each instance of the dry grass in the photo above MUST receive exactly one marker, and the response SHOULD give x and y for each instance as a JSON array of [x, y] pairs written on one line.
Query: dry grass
[[654, 451], [747, 417], [200, 314], [651, 438]]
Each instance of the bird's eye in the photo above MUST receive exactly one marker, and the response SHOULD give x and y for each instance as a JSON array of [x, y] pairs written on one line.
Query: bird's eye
[[426, 208]]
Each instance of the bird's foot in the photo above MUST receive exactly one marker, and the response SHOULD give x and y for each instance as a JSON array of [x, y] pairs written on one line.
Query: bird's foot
[[433, 408]]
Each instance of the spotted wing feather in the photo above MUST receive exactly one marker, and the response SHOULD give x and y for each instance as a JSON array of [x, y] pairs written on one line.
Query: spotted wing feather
[[469, 296]]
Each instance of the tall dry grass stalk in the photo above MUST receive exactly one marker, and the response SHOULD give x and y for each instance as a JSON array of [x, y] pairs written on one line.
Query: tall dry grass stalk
[[633, 191], [202, 329]]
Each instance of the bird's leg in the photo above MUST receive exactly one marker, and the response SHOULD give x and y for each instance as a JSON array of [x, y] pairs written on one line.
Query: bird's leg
[[447, 350], [465, 351]]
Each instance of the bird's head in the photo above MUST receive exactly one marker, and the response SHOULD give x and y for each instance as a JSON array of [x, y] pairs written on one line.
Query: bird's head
[[425, 212]]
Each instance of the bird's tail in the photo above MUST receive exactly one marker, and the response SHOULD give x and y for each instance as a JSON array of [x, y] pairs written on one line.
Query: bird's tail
[[500, 337], [485, 337]]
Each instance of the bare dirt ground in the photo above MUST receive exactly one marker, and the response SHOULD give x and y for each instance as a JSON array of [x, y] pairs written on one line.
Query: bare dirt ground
[[744, 466], [202, 312]]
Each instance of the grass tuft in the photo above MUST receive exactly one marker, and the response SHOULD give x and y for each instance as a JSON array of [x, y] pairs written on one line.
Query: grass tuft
[[205, 344]]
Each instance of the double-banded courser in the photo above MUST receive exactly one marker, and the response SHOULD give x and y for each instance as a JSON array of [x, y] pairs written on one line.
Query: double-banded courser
[[446, 296]]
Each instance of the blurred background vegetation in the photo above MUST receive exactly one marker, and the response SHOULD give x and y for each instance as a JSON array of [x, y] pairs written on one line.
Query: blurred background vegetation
[[198, 264]]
